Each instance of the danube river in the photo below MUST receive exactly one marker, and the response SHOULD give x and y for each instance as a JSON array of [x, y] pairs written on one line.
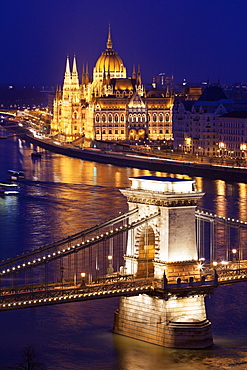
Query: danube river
[[61, 196]]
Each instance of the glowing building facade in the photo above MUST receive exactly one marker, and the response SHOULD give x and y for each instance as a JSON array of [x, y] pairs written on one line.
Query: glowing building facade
[[110, 106]]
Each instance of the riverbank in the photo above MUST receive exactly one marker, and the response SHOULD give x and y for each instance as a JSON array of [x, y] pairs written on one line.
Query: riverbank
[[135, 160]]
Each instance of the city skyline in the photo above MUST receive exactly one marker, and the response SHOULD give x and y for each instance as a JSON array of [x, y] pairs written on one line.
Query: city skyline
[[191, 40]]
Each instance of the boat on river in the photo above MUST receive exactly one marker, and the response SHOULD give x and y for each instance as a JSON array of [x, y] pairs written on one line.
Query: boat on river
[[15, 175], [8, 188], [36, 155]]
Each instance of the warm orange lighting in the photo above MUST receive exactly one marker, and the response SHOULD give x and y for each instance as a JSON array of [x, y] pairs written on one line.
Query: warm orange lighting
[[234, 251], [225, 263], [215, 263], [109, 257], [83, 274]]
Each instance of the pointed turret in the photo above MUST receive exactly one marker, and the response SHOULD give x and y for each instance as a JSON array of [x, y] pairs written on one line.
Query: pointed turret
[[134, 72], [109, 41], [139, 79], [74, 76], [87, 75], [83, 75], [67, 75]]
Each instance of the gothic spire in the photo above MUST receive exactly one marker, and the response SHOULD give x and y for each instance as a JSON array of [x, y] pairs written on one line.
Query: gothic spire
[[83, 75], [139, 79], [134, 72], [67, 75], [87, 75], [74, 75]]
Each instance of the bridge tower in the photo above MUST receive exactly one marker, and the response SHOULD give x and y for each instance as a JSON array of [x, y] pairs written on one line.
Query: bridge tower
[[164, 248]]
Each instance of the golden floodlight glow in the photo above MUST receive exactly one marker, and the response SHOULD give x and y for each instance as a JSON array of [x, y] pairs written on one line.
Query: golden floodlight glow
[[225, 263]]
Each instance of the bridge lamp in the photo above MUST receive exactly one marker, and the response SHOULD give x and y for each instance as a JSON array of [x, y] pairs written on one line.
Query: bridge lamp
[[234, 252], [215, 263], [200, 264], [110, 267], [83, 275]]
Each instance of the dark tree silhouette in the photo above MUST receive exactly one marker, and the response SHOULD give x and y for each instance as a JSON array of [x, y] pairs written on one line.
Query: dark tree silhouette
[[29, 360]]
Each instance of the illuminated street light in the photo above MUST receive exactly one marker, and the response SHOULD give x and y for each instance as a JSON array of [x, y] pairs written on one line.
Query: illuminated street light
[[234, 252], [110, 267], [236, 257], [83, 275]]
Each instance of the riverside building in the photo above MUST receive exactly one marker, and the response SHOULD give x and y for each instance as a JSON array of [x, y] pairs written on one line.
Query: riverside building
[[110, 106], [214, 125]]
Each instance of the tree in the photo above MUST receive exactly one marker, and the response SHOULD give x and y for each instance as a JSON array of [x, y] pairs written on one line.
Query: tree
[[29, 360]]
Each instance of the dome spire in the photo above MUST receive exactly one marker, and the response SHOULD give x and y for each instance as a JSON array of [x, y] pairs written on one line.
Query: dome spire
[[109, 41]]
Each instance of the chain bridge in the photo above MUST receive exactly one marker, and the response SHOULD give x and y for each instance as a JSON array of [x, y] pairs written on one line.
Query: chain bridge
[[123, 257]]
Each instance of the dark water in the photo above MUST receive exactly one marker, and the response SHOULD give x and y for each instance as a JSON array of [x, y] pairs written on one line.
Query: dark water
[[61, 196]]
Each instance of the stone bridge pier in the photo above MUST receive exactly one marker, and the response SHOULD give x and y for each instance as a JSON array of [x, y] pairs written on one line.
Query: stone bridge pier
[[164, 247]]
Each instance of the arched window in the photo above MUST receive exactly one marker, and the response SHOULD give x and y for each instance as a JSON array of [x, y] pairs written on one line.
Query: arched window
[[161, 118], [110, 118], [122, 118], [75, 115], [97, 118], [139, 118], [116, 118], [154, 118], [167, 117], [103, 118], [148, 117]]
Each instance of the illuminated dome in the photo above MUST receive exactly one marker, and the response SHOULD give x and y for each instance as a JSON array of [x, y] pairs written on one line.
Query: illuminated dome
[[109, 62]]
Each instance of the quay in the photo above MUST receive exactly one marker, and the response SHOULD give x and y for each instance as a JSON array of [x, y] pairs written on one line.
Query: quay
[[135, 160]]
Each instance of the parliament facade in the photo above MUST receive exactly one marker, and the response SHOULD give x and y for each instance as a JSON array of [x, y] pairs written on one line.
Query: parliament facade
[[110, 106]]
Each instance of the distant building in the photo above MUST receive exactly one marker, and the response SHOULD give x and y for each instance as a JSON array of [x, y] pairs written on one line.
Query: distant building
[[110, 106], [213, 125], [233, 134], [195, 125], [162, 81]]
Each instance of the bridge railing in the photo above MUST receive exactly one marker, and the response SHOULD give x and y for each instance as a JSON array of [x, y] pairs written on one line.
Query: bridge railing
[[97, 256], [218, 237]]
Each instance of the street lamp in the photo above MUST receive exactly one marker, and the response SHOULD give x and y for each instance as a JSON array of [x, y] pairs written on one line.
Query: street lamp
[[110, 267], [236, 257], [234, 252], [83, 275]]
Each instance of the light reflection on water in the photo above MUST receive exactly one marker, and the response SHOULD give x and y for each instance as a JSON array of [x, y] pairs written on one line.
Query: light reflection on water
[[61, 196]]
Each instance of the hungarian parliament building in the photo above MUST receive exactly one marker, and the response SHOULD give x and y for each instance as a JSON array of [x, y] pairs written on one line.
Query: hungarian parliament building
[[110, 106]]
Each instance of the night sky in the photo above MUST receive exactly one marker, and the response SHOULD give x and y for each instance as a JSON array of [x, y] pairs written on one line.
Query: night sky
[[197, 40]]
